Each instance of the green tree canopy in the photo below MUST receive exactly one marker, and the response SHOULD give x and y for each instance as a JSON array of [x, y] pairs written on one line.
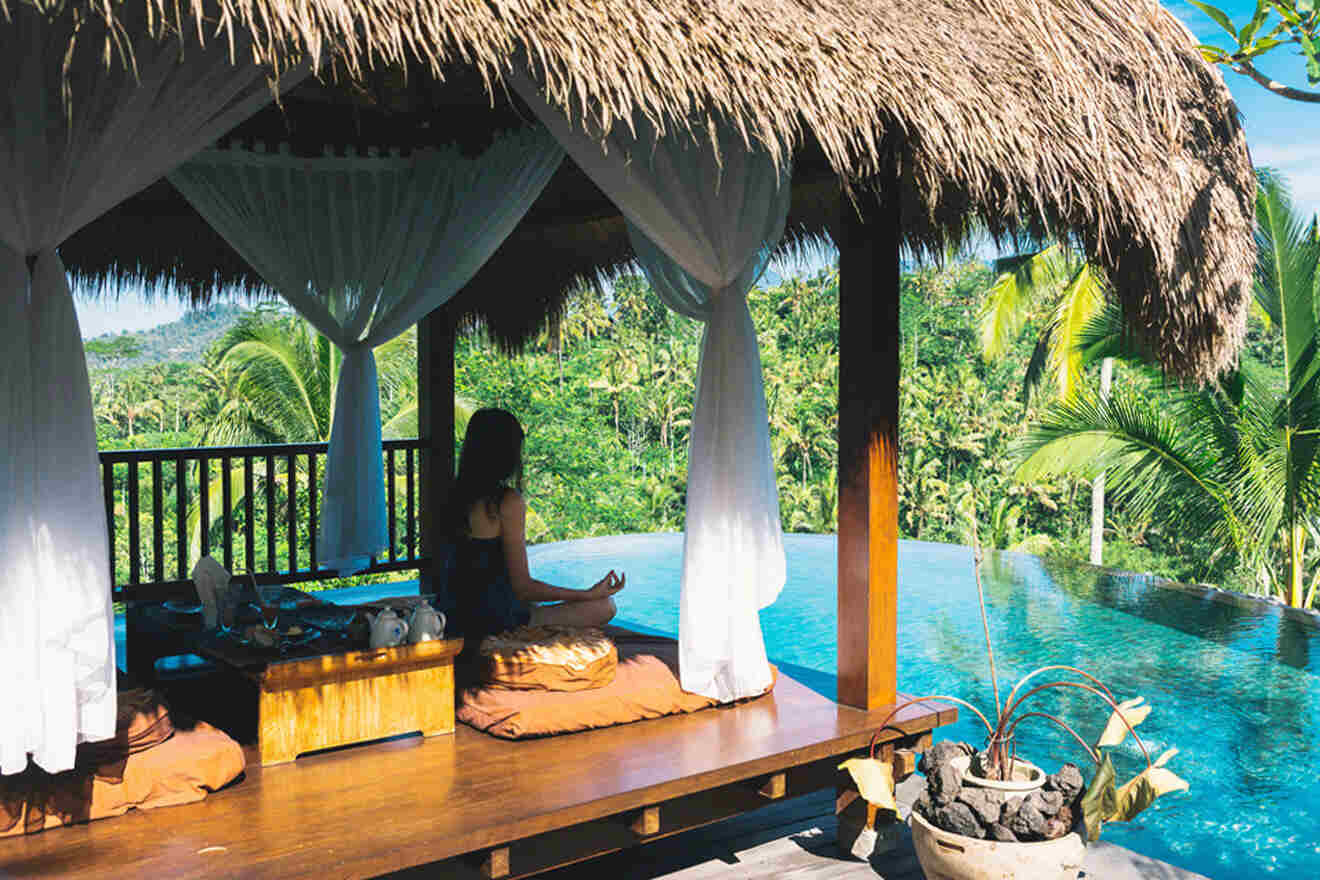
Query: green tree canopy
[[1239, 459]]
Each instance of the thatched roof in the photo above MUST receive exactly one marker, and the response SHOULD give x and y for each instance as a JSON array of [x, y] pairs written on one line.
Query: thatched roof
[[1094, 119]]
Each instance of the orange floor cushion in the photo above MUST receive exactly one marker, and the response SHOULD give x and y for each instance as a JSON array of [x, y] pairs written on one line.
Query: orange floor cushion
[[548, 658], [645, 685], [149, 764]]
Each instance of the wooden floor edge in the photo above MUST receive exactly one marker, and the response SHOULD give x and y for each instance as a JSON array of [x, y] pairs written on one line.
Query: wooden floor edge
[[570, 844], [751, 775]]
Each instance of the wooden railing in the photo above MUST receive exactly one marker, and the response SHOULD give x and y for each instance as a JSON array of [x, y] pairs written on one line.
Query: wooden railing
[[255, 508]]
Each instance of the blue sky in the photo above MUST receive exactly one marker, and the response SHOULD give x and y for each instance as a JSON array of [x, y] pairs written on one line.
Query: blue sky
[[1282, 134]]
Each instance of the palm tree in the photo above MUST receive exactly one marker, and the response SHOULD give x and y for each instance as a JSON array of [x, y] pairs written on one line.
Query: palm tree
[[1239, 458], [1075, 294], [621, 376], [271, 380], [270, 377]]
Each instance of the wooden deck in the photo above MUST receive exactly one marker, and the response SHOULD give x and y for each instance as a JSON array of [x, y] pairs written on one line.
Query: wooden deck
[[374, 809], [797, 839]]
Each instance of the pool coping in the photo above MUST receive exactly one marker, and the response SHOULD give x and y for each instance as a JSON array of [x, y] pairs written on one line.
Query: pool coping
[[1307, 616]]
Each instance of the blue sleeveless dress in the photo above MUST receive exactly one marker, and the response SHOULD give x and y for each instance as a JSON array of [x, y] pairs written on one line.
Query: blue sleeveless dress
[[483, 593]]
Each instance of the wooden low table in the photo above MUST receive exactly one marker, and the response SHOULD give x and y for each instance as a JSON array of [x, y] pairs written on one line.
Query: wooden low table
[[310, 702]]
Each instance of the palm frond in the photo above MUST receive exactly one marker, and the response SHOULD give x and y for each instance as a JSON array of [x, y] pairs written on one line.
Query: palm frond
[[403, 424], [1147, 452], [1035, 372], [1286, 275], [1020, 280], [1082, 298], [1002, 315], [279, 372]]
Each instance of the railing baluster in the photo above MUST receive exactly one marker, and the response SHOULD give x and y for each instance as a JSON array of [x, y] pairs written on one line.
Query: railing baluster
[[412, 520], [134, 527], [293, 513], [157, 524], [204, 502], [122, 497], [181, 515], [311, 510], [108, 490], [272, 564], [389, 496], [249, 511], [227, 505]]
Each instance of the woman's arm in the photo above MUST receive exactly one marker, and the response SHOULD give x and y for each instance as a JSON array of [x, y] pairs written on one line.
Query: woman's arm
[[513, 532]]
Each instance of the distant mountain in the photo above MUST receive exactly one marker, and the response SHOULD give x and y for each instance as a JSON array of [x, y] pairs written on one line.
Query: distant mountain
[[182, 341]]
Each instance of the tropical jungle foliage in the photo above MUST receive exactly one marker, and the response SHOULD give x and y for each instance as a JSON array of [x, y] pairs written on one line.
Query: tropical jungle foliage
[[607, 398], [1240, 460]]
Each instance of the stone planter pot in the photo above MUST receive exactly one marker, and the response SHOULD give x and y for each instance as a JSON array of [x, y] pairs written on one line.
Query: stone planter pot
[[1027, 777], [945, 856]]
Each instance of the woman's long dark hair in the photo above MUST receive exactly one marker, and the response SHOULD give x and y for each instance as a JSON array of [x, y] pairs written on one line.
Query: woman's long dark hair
[[490, 463]]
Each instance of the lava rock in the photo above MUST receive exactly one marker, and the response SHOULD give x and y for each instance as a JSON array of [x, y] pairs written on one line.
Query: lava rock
[[940, 754], [1047, 802], [1068, 782], [998, 831], [944, 784], [923, 805], [958, 818], [985, 803], [1066, 815], [1054, 829], [1027, 823]]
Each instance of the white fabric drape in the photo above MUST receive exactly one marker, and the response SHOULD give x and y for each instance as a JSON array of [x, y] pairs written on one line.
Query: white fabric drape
[[57, 174], [364, 247], [703, 218]]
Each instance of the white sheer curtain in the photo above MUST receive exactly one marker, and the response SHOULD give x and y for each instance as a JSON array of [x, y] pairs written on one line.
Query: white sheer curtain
[[363, 247], [57, 174], [703, 216]]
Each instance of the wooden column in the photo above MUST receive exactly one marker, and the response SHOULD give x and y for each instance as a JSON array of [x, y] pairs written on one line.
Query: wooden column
[[868, 240], [435, 418]]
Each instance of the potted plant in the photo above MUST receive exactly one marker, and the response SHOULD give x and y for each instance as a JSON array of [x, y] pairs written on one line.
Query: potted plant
[[988, 812]]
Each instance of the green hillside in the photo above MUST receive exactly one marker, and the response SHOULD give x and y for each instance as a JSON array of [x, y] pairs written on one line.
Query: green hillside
[[181, 341]]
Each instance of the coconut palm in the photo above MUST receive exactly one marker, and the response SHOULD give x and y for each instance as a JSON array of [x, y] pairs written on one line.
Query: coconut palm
[[1239, 459], [1074, 293], [271, 379], [271, 382]]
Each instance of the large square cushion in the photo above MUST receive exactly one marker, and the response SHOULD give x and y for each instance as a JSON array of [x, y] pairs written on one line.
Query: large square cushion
[[645, 685], [163, 767]]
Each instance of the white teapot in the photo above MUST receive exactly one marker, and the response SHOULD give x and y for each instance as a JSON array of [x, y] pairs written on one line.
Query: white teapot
[[387, 629], [425, 624]]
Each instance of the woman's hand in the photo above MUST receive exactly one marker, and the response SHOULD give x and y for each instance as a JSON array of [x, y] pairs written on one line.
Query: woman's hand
[[605, 587]]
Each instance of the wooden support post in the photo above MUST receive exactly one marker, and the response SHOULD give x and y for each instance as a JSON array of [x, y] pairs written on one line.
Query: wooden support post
[[435, 419], [775, 787], [905, 764], [869, 233], [647, 822], [496, 863]]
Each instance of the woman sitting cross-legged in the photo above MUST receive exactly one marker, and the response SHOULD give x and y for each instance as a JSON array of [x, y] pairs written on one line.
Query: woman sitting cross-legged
[[492, 586]]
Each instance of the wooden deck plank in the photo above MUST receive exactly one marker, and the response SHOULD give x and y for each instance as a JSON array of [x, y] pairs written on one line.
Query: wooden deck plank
[[373, 809], [798, 839]]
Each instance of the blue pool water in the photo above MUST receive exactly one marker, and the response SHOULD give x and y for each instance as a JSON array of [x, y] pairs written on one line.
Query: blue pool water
[[1234, 688]]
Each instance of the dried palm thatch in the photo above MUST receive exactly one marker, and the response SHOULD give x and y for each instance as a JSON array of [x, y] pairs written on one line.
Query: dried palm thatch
[[1094, 119], [158, 244]]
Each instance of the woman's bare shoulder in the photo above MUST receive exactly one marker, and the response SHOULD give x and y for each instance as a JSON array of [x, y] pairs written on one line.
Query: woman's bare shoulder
[[512, 503]]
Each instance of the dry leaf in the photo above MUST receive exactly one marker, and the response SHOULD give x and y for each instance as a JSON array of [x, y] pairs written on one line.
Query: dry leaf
[[1134, 710], [874, 779], [1140, 791]]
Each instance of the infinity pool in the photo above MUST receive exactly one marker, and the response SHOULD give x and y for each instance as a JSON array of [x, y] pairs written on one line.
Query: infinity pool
[[1234, 688]]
